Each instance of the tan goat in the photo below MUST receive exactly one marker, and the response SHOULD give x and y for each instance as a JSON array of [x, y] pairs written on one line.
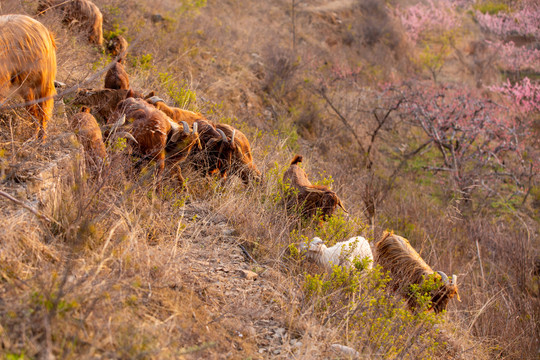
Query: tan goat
[[28, 65], [118, 45], [83, 13], [406, 267], [310, 199], [117, 77], [89, 134]]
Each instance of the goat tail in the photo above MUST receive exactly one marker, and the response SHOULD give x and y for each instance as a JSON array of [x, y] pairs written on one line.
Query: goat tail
[[296, 159]]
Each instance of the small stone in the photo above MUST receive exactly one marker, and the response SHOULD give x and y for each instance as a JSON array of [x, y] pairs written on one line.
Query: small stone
[[247, 274], [155, 18], [228, 232], [345, 350]]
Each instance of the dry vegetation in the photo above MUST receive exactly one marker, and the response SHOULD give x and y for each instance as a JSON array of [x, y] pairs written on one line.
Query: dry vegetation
[[116, 266]]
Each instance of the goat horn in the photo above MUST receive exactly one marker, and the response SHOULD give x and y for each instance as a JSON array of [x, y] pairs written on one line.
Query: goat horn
[[222, 135], [443, 277], [341, 206], [175, 128], [119, 123], [232, 137], [154, 100], [127, 135], [186, 127], [454, 279], [195, 128]]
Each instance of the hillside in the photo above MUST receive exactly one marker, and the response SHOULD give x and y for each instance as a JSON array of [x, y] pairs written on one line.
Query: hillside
[[422, 116]]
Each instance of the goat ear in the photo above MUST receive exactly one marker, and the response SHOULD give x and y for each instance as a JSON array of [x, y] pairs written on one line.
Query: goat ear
[[150, 94], [130, 94]]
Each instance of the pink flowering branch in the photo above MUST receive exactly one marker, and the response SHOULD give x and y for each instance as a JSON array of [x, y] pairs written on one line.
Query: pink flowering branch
[[421, 18], [524, 22]]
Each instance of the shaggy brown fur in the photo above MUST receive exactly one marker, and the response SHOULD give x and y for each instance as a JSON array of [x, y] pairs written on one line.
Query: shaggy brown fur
[[236, 157], [117, 77], [158, 137], [311, 199], [28, 65], [406, 267], [89, 134], [103, 101], [150, 127], [117, 46], [83, 13]]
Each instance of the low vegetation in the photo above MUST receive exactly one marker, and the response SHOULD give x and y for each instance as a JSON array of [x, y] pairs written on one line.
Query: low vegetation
[[426, 130]]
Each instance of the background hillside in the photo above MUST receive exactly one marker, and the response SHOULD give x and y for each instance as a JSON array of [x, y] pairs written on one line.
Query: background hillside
[[422, 116]]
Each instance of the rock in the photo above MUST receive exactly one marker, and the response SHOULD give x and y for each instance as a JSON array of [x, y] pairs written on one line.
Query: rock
[[155, 18], [228, 232], [345, 350], [247, 274]]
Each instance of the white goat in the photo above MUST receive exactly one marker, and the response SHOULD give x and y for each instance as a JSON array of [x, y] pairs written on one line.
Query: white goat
[[342, 253]]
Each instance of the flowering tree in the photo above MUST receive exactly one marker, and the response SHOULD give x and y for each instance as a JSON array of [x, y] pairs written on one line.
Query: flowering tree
[[524, 95], [421, 19], [524, 22], [516, 58], [479, 141]]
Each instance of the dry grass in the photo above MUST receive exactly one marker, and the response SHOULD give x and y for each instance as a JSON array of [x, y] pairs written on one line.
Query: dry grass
[[129, 270]]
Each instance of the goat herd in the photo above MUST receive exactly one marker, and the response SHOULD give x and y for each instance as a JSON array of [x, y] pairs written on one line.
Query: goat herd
[[171, 136]]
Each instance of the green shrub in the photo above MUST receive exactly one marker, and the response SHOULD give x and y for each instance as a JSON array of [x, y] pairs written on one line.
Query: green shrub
[[492, 7]]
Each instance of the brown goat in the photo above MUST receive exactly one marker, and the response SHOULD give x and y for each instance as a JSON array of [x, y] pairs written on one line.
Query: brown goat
[[84, 13], [406, 267], [157, 136], [89, 134], [176, 114], [235, 155], [310, 199], [118, 45], [104, 101], [28, 64], [117, 77]]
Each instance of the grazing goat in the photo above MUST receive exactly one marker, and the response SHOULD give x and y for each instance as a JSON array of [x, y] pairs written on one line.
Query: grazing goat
[[176, 114], [343, 253], [89, 134], [310, 199], [117, 77], [104, 101], [406, 267], [84, 13], [28, 65], [157, 136], [118, 45], [234, 155]]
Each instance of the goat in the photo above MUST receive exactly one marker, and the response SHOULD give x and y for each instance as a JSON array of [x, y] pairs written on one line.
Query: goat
[[89, 134], [406, 267], [310, 199], [28, 65], [118, 45], [176, 114], [103, 101], [84, 13], [117, 77], [234, 155], [157, 137], [343, 253]]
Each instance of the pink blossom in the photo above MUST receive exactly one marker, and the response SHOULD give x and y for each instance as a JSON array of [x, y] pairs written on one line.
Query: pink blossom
[[516, 58], [421, 18], [524, 95], [524, 22]]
